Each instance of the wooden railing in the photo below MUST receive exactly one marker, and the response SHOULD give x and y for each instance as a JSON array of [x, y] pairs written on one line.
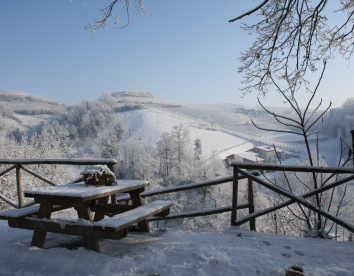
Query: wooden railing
[[20, 164], [193, 186], [240, 168]]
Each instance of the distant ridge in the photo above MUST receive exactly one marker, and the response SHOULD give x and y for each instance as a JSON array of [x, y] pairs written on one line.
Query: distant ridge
[[133, 93], [28, 104], [16, 96]]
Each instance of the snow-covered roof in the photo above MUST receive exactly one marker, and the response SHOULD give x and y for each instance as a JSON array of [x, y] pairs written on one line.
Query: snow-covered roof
[[244, 146], [265, 148], [251, 156]]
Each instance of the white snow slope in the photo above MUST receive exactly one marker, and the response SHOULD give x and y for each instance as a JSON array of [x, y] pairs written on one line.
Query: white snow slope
[[169, 253], [147, 125]]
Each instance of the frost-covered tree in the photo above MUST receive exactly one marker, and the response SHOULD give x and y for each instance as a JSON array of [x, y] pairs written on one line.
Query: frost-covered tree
[[51, 141], [146, 163], [197, 149], [86, 120], [110, 142], [304, 123], [107, 99], [180, 136], [165, 153], [340, 121], [292, 38], [215, 168], [138, 160]]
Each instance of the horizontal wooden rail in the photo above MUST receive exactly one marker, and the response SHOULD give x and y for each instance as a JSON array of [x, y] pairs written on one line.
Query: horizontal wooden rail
[[291, 168], [186, 187], [199, 213], [75, 161]]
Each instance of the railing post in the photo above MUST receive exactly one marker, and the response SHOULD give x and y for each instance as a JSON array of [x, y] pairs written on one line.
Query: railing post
[[113, 197], [352, 132], [19, 185], [251, 204], [234, 196]]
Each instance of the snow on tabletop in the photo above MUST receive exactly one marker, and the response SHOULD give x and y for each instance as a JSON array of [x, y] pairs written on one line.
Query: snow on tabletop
[[172, 252], [81, 190]]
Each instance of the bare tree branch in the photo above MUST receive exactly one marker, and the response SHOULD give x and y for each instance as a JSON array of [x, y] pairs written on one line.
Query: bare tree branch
[[250, 12], [292, 38], [107, 13]]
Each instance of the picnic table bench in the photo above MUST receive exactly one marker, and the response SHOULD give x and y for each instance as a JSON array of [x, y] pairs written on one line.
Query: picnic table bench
[[92, 205]]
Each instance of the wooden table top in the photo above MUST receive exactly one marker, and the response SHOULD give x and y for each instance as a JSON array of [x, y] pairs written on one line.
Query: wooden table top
[[84, 192]]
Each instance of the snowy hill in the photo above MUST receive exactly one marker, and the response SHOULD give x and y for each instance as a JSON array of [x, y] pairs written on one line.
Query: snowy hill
[[222, 128], [23, 111], [23, 103], [147, 125], [143, 116]]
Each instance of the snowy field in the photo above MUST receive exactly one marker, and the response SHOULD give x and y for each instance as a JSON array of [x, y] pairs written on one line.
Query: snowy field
[[170, 252], [147, 125]]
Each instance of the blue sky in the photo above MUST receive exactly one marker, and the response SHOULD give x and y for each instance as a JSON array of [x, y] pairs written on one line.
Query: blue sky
[[185, 51]]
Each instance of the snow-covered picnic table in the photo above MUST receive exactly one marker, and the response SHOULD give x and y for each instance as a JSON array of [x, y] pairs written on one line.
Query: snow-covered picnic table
[[92, 205]]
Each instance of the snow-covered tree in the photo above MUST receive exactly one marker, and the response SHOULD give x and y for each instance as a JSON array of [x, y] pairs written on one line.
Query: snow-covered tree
[[110, 142], [165, 154], [51, 141], [86, 120], [180, 137], [138, 160], [197, 149], [340, 121]]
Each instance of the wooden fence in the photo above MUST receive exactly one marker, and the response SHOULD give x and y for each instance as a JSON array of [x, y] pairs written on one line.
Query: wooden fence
[[241, 170], [20, 164], [192, 186]]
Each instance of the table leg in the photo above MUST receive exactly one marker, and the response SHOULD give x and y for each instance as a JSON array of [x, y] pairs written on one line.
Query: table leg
[[114, 199], [100, 214], [38, 238], [84, 212], [137, 201]]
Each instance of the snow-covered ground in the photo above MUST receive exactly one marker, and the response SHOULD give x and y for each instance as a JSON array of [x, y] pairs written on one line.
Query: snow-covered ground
[[147, 125], [233, 252]]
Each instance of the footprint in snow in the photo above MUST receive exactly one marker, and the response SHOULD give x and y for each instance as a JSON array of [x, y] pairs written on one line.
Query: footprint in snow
[[287, 247], [286, 255], [299, 253], [266, 243]]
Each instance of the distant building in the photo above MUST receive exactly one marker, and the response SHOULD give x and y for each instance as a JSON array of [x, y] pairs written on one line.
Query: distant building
[[260, 154], [250, 156], [267, 153], [270, 155], [243, 157]]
